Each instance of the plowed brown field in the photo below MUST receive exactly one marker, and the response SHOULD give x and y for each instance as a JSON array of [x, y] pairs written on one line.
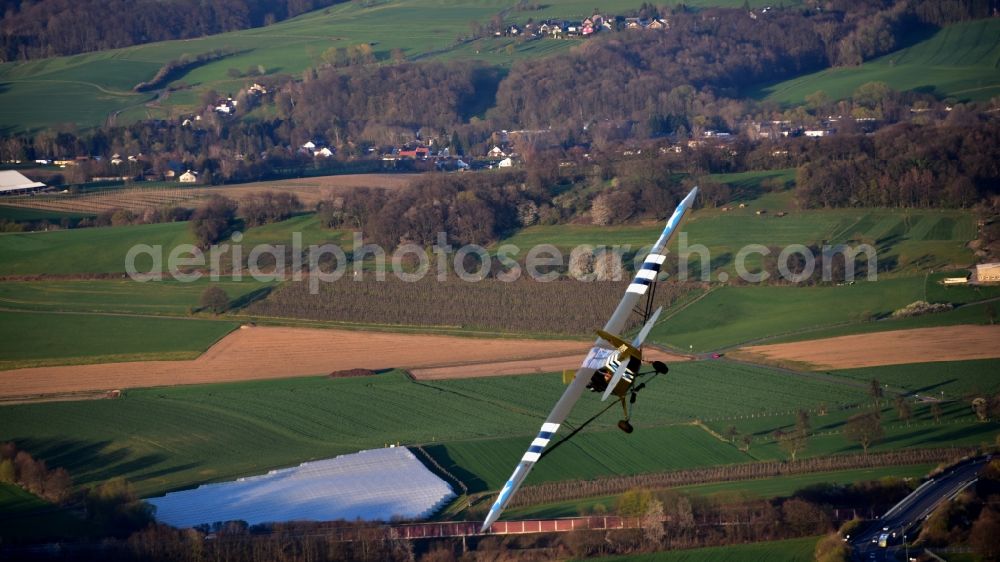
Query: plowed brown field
[[308, 190], [949, 343], [274, 352]]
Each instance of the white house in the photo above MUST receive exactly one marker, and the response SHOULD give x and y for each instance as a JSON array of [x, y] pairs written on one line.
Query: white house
[[506, 163], [323, 153], [188, 177], [495, 153]]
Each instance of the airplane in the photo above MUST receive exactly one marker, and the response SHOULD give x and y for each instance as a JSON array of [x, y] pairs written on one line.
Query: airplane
[[612, 366]]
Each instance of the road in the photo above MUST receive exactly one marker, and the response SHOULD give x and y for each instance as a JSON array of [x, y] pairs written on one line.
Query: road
[[905, 516]]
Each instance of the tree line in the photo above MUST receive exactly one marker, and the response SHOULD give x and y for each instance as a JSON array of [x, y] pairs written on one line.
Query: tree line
[[112, 507], [953, 165]]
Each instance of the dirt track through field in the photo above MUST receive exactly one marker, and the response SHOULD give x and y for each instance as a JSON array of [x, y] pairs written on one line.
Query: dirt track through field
[[949, 343], [274, 352]]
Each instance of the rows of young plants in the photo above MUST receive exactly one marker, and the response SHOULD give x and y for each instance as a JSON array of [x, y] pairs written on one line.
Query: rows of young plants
[[525, 306]]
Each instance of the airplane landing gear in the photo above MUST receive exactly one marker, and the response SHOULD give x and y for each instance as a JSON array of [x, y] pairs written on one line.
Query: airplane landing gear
[[625, 426]]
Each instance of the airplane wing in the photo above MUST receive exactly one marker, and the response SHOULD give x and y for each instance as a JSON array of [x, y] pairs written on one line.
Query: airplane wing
[[645, 277]]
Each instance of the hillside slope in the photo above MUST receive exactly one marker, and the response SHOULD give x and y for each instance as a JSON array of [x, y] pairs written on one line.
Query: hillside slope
[[960, 61]]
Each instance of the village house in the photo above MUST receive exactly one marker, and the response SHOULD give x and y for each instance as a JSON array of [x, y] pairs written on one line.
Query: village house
[[636, 23], [188, 177], [226, 106], [658, 25], [418, 153], [496, 153]]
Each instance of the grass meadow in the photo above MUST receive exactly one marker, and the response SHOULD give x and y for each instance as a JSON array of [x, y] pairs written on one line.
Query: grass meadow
[[119, 296], [169, 438], [31, 339], [959, 61], [16, 214], [104, 249], [733, 316], [951, 379], [906, 241]]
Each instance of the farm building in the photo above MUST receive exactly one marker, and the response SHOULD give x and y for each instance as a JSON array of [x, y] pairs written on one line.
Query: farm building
[[988, 273], [188, 177], [13, 182]]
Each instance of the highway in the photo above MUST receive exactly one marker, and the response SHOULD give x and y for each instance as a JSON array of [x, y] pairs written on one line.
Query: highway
[[903, 518]]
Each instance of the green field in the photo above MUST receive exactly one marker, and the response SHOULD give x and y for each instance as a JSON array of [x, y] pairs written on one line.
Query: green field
[[906, 241], [764, 488], [26, 517], [952, 379], [24, 214], [690, 391], [169, 438], [119, 296], [732, 316], [85, 250], [960, 61], [179, 436], [969, 314], [792, 550], [104, 250], [958, 427], [486, 464], [36, 338], [84, 89]]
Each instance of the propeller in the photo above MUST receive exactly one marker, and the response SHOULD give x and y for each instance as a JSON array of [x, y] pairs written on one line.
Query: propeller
[[624, 356], [637, 342], [619, 372]]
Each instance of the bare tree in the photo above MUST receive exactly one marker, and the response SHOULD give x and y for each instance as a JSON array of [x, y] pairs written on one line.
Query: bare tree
[[903, 410], [875, 391], [214, 299], [936, 412], [802, 422], [981, 407], [792, 442], [731, 433], [864, 429]]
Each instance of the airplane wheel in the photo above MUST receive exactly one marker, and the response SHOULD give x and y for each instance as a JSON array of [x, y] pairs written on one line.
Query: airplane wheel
[[625, 426]]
